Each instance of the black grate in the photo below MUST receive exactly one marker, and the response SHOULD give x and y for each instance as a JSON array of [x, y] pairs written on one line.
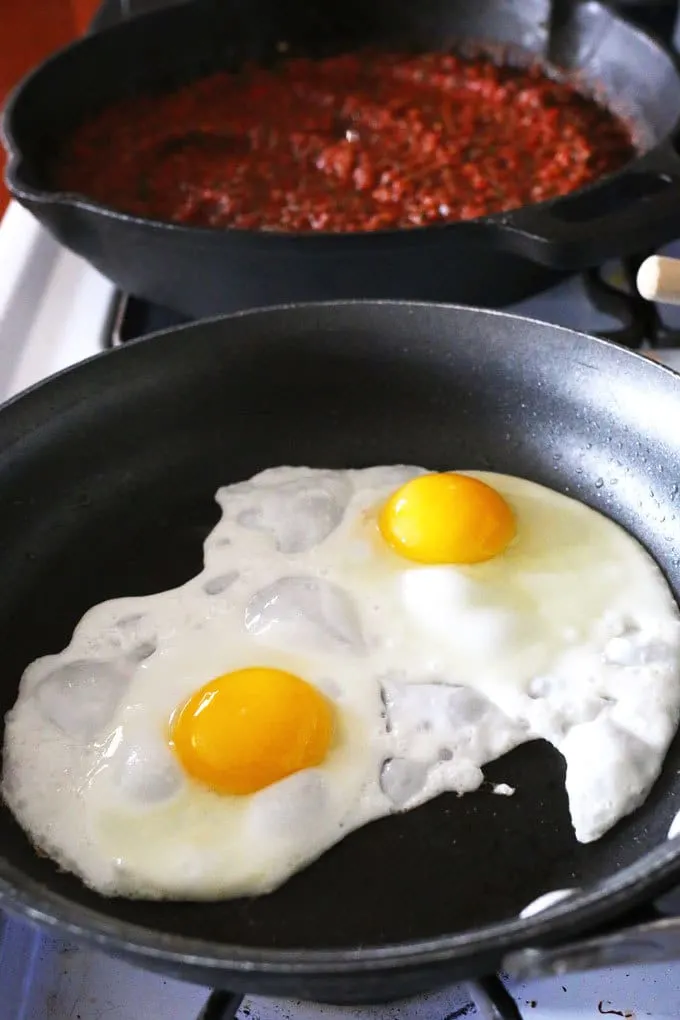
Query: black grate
[[490, 999], [615, 294]]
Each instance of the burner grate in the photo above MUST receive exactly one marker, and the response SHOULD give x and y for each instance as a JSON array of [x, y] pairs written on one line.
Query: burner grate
[[614, 293], [490, 1001], [221, 1006]]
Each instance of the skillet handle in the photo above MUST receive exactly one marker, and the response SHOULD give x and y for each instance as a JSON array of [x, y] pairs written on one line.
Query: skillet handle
[[651, 942], [636, 210]]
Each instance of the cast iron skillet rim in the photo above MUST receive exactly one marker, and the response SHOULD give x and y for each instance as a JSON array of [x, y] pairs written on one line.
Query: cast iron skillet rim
[[415, 234], [195, 233], [654, 873]]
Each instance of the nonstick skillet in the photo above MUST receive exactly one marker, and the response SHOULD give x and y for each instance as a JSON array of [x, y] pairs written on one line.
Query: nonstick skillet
[[107, 476], [490, 261]]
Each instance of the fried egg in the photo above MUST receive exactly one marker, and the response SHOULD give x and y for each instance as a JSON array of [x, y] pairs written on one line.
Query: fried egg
[[357, 643]]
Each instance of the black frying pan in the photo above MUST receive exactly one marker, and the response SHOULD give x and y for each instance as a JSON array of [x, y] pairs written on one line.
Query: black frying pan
[[489, 261], [107, 476]]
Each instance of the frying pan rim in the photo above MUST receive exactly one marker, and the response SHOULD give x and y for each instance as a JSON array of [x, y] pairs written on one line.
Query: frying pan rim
[[561, 921], [415, 235], [653, 873], [333, 304]]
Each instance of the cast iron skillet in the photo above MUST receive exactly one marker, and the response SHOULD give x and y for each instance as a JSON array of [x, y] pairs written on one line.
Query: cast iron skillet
[[107, 475], [489, 261]]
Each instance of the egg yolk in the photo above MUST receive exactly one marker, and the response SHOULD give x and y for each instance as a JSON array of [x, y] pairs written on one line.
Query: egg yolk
[[248, 729], [447, 518]]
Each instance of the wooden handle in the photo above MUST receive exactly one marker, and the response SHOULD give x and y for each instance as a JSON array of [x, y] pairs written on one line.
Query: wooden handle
[[658, 279]]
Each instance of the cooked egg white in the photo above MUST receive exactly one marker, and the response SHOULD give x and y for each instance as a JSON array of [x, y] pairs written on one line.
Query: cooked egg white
[[354, 646]]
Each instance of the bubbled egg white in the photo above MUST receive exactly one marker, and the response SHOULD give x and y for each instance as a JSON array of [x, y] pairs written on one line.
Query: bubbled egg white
[[570, 635]]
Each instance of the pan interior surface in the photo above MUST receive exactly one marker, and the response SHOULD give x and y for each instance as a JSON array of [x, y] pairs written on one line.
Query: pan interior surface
[[107, 478]]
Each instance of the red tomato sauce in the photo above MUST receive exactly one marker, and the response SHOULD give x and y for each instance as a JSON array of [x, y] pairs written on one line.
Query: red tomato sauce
[[351, 143]]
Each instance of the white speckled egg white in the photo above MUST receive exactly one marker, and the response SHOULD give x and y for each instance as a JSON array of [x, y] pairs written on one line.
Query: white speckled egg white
[[432, 671]]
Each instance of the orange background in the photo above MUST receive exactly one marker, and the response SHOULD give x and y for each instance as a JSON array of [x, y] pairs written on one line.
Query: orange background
[[30, 30]]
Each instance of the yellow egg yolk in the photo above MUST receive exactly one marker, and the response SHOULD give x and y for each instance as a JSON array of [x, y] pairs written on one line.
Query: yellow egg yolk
[[248, 729], [447, 518]]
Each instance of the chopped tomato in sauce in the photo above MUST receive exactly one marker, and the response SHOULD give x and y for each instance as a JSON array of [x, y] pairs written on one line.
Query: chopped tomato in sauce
[[358, 142]]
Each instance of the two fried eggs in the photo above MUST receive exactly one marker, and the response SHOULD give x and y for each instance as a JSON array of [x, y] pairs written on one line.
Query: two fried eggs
[[357, 643]]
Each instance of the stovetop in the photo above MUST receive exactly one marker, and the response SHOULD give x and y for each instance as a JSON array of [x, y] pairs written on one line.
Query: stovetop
[[55, 311]]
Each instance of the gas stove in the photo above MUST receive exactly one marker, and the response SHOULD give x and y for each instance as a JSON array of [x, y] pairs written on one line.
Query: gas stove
[[56, 311]]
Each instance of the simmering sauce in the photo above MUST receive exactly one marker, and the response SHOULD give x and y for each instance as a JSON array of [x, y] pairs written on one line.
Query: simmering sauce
[[357, 142]]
